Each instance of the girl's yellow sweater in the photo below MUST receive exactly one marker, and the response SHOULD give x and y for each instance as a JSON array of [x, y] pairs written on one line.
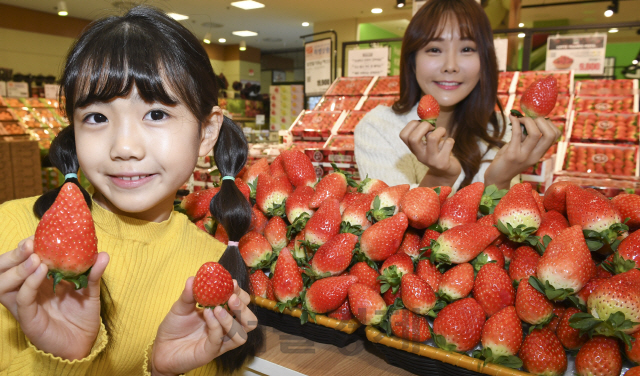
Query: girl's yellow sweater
[[149, 265]]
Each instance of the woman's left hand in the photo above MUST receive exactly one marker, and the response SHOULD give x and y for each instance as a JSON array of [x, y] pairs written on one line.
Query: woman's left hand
[[522, 151], [189, 337]]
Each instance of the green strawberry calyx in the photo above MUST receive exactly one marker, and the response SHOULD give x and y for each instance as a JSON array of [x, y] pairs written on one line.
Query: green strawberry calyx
[[347, 227], [486, 354], [549, 291], [79, 280], [607, 238], [348, 176], [297, 225], [518, 234], [377, 213], [385, 323], [490, 198], [618, 265], [613, 326], [390, 279]]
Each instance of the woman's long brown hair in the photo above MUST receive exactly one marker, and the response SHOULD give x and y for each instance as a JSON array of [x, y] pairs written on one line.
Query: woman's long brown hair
[[472, 114]]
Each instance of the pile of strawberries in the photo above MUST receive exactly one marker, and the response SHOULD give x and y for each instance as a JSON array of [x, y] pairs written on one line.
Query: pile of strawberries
[[605, 127], [520, 278], [604, 160]]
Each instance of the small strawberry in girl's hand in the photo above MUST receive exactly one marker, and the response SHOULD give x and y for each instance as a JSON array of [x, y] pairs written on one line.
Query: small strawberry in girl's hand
[[65, 239], [213, 285], [428, 109], [540, 98]]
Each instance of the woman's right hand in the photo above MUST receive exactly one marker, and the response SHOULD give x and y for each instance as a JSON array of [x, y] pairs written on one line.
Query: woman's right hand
[[433, 148], [64, 323]]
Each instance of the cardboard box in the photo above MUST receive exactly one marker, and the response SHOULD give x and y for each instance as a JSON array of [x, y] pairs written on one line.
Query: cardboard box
[[26, 168]]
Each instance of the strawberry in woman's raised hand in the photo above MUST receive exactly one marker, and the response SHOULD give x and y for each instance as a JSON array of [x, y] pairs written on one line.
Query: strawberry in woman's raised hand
[[540, 98], [66, 239], [213, 285], [428, 109]]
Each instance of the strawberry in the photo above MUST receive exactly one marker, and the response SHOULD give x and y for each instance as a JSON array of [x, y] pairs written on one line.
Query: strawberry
[[583, 294], [299, 251], [462, 207], [387, 202], [326, 295], [539, 99], [212, 285], [271, 194], [287, 281], [410, 244], [390, 296], [366, 304], [627, 256], [256, 250], [491, 254], [456, 283], [552, 224], [599, 356], [421, 206], [276, 233], [250, 176], [427, 271], [508, 248], [490, 199], [633, 351], [407, 325], [628, 205], [342, 313], [206, 224], [417, 295], [372, 186], [568, 336], [243, 188], [493, 289], [501, 338], [555, 197], [443, 192], [487, 220], [635, 371], [196, 204], [462, 243], [324, 224], [428, 109], [354, 217], [532, 306], [261, 285], [517, 214], [297, 209], [333, 185], [381, 240], [366, 275], [65, 239], [221, 234], [428, 239], [539, 201], [458, 326], [392, 270], [298, 168], [258, 220], [524, 264], [542, 354], [334, 256], [276, 168], [349, 199]]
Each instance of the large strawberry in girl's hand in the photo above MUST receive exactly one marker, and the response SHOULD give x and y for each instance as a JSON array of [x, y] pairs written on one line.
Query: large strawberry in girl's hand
[[540, 98], [428, 109], [213, 285], [65, 239]]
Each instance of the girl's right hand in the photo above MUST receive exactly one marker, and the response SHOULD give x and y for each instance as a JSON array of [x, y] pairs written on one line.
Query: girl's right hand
[[433, 149], [64, 323]]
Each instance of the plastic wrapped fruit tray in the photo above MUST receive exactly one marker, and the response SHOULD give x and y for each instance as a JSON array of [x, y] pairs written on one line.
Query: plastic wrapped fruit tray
[[10, 128], [620, 105], [505, 82], [314, 125], [560, 111], [352, 119], [372, 102], [599, 127], [323, 330], [337, 103], [386, 86], [13, 102], [349, 86], [601, 160], [602, 88], [564, 79]]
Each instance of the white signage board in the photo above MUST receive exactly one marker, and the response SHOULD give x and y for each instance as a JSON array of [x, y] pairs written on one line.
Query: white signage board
[[501, 46], [17, 89], [368, 62], [317, 67], [3, 88], [584, 54], [51, 91]]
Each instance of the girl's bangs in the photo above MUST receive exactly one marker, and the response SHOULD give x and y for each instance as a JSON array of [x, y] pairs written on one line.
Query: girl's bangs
[[465, 24]]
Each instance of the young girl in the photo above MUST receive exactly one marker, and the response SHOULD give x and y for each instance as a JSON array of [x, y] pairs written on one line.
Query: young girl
[[142, 106], [448, 52]]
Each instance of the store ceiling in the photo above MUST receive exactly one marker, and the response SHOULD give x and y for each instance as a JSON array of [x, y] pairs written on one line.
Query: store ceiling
[[279, 24]]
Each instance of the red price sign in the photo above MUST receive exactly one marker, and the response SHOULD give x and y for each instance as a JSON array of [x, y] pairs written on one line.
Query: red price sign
[[590, 66]]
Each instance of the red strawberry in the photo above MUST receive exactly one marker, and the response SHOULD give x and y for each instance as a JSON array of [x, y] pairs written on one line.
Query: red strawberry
[[333, 185], [539, 201], [417, 294], [583, 294], [65, 238], [327, 294], [628, 205], [299, 251], [250, 176], [427, 271], [628, 255], [221, 234], [462, 207], [532, 306], [553, 223], [517, 214], [212, 285], [387, 202], [342, 313], [334, 256], [493, 289], [558, 310], [456, 283], [271, 194], [555, 197], [635, 371], [366, 304], [487, 220], [539, 99], [297, 208], [422, 207], [502, 336], [381, 240], [371, 186], [366, 275], [276, 168], [244, 188], [426, 241], [276, 233], [407, 325], [428, 109], [491, 254], [633, 352], [256, 250], [542, 354], [324, 224], [390, 297], [196, 204], [599, 356], [298, 167], [458, 326], [508, 249], [205, 224], [462, 243], [261, 285], [617, 295], [392, 271], [568, 336], [410, 244], [354, 217], [258, 220], [524, 264], [443, 192], [349, 199], [287, 280]]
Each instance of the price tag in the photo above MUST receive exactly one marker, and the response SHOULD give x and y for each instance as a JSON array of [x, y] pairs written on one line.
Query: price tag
[[584, 54], [317, 66], [17, 89]]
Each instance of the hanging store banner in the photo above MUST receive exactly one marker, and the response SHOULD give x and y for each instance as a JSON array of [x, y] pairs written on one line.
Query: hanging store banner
[[584, 54], [317, 66], [368, 62]]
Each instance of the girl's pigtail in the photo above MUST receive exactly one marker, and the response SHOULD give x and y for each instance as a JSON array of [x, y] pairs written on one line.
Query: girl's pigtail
[[63, 156], [232, 210]]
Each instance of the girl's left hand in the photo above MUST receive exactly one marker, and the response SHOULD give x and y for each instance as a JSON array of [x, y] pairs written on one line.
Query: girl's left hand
[[522, 151], [189, 337]]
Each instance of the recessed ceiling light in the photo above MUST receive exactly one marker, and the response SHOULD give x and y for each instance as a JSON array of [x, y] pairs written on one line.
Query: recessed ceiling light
[[178, 17], [635, 62], [244, 33], [62, 9], [222, 40], [521, 35], [608, 13], [521, 24], [243, 45], [305, 24], [613, 30], [247, 4], [376, 10], [207, 38]]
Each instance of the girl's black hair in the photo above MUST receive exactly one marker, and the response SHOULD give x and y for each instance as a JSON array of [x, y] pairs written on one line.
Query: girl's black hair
[[167, 64]]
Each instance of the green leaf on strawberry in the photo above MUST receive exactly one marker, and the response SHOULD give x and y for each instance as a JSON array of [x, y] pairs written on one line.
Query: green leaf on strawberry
[[549, 291], [297, 225], [490, 199]]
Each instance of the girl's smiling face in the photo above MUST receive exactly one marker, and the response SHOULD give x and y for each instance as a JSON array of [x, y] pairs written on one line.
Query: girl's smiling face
[[138, 154], [448, 67]]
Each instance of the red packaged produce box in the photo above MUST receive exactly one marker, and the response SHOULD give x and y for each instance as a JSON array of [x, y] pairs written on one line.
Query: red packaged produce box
[[339, 142], [621, 105], [348, 126], [9, 128], [334, 103], [386, 86], [13, 102], [560, 111], [349, 86], [608, 187], [338, 149], [314, 125], [504, 100], [601, 160], [6, 115], [323, 169], [372, 102], [604, 88], [33, 102], [588, 126], [564, 79], [505, 80]]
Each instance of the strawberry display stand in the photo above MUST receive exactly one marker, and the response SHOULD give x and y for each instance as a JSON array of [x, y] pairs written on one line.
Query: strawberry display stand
[[350, 86], [338, 103], [315, 125], [565, 80], [323, 329], [602, 88], [372, 102], [348, 125], [389, 85], [598, 160], [604, 127], [620, 105]]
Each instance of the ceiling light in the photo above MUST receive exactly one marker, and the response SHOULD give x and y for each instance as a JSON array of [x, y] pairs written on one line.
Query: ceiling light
[[222, 40], [243, 45], [247, 4], [62, 9], [244, 33], [400, 3], [376, 10], [305, 24], [178, 17], [521, 35], [521, 24], [635, 62], [207, 38], [608, 13], [611, 9], [613, 30]]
